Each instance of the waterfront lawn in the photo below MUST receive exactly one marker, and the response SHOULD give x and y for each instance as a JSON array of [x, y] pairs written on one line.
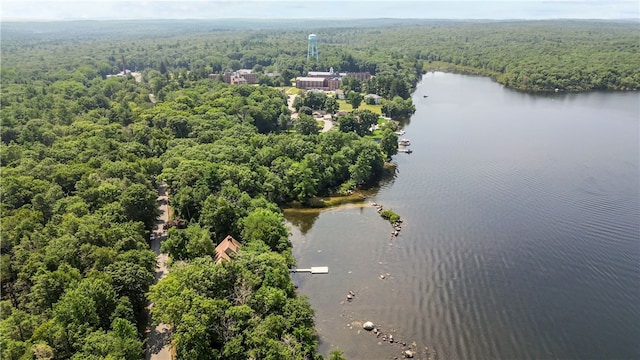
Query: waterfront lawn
[[345, 106]]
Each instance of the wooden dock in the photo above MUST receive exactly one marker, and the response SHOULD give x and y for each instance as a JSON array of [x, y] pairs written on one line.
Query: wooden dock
[[313, 270]]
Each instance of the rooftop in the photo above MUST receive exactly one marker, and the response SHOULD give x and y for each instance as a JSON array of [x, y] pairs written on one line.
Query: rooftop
[[305, 78], [226, 247]]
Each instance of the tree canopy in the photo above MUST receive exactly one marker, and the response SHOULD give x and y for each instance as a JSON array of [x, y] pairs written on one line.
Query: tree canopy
[[83, 154]]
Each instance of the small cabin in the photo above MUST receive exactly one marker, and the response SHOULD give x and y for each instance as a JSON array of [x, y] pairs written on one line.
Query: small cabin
[[226, 247]]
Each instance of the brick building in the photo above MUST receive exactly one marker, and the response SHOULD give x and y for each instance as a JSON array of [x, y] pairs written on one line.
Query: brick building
[[311, 83], [242, 76], [327, 80]]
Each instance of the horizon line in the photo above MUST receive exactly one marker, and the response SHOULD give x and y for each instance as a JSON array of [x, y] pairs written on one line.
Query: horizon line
[[2, 19]]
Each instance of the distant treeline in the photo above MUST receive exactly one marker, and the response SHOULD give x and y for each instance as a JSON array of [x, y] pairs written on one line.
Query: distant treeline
[[569, 55]]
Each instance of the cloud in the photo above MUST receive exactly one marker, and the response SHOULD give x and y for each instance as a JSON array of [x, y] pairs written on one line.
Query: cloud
[[208, 9]]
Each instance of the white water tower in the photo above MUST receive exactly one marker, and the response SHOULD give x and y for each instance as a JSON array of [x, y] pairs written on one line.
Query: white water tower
[[312, 48]]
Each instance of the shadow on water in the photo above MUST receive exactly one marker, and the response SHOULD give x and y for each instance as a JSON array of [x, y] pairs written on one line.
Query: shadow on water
[[303, 220], [403, 121], [304, 217]]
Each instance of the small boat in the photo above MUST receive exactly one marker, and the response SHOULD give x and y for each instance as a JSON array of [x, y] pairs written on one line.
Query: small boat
[[425, 95], [404, 142], [400, 132]]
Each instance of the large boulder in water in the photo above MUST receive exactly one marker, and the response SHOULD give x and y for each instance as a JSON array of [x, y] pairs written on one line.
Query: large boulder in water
[[368, 326]]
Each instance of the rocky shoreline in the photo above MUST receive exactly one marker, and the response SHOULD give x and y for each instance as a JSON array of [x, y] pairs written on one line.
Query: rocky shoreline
[[406, 349], [394, 219]]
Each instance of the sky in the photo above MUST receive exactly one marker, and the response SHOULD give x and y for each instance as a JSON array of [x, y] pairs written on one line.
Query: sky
[[25, 10]]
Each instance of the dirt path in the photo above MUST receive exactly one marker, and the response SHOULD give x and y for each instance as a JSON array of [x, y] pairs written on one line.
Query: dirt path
[[158, 341], [290, 100]]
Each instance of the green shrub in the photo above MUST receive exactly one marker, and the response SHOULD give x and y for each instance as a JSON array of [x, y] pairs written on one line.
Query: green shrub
[[390, 215]]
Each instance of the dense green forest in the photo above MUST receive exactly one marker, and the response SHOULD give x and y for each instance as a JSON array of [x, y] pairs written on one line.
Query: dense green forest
[[569, 55], [82, 156], [79, 201]]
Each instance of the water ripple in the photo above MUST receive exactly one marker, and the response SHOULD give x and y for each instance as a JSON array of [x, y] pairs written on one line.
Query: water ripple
[[520, 240]]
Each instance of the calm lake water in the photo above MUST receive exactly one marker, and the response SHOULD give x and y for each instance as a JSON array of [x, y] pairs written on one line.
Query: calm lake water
[[521, 236]]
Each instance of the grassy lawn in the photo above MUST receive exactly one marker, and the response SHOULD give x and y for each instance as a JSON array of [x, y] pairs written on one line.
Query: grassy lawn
[[290, 90], [376, 134], [376, 109]]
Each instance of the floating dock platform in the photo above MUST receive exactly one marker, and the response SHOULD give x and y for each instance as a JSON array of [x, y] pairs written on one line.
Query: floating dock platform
[[313, 270]]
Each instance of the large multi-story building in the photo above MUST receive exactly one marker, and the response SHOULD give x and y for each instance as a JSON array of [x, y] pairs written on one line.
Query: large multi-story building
[[242, 76], [334, 83], [248, 75], [311, 83], [358, 75], [322, 74], [327, 80]]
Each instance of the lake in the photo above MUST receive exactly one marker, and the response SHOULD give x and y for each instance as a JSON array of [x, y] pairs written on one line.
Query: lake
[[521, 233]]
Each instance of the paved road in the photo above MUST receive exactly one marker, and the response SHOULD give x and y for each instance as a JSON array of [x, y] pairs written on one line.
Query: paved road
[[158, 340], [328, 125]]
